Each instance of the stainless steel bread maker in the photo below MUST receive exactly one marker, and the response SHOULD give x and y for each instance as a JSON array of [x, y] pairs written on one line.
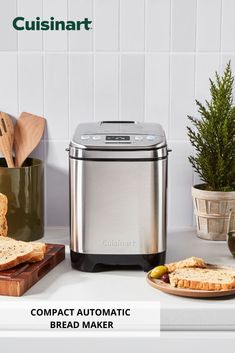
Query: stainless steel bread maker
[[118, 192]]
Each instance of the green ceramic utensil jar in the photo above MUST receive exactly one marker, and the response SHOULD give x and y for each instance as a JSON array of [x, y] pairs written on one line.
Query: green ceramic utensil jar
[[24, 188]]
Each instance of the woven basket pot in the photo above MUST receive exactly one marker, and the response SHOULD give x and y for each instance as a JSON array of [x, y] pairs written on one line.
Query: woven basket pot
[[211, 209]]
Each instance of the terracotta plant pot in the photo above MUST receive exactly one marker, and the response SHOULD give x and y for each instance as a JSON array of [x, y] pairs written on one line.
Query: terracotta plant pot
[[211, 209]]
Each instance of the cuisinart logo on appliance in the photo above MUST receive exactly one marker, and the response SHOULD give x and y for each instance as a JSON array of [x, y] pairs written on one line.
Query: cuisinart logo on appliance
[[22, 24], [119, 243]]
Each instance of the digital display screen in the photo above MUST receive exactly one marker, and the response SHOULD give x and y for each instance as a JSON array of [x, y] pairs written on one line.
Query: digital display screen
[[117, 138]]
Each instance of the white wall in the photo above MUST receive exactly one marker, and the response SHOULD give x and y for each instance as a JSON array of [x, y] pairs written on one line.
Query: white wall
[[145, 60]]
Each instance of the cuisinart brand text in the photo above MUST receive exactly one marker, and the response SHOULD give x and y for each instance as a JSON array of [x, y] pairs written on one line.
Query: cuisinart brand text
[[119, 243], [22, 24]]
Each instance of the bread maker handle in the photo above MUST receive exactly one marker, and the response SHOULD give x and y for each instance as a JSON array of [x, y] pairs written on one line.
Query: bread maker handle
[[118, 122]]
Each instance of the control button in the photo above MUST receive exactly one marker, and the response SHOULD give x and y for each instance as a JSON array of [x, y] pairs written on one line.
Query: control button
[[85, 137], [150, 137], [138, 138], [96, 137]]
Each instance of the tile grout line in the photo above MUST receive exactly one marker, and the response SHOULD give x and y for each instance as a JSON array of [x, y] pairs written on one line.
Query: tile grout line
[[169, 110], [68, 76], [119, 60], [93, 63], [45, 142], [221, 27], [111, 52], [145, 62], [120, 65], [18, 65], [170, 72], [195, 86]]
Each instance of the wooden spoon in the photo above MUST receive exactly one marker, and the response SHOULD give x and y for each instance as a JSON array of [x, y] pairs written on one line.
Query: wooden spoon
[[29, 129], [6, 138]]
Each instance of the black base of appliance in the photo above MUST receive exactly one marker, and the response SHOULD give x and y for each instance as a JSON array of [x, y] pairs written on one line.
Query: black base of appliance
[[98, 263]]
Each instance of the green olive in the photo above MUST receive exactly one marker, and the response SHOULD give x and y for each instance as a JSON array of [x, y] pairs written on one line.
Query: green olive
[[158, 272]]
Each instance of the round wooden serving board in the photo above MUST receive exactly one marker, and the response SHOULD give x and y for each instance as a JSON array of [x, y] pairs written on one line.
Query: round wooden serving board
[[192, 293]]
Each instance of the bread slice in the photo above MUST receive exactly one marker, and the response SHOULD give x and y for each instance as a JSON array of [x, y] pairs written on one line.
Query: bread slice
[[189, 262], [13, 252], [39, 250], [202, 279]]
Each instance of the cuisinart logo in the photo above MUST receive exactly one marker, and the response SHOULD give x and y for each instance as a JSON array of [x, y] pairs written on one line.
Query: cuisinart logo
[[21, 24], [119, 243]]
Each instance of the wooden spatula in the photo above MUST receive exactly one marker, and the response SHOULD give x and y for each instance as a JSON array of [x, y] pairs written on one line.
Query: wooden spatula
[[29, 129], [6, 138]]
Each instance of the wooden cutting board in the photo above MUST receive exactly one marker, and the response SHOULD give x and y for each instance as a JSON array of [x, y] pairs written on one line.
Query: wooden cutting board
[[18, 280]]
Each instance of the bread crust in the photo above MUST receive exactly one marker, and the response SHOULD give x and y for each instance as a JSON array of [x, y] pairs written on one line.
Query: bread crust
[[3, 212], [198, 285], [3, 227], [189, 262], [38, 254], [3, 205]]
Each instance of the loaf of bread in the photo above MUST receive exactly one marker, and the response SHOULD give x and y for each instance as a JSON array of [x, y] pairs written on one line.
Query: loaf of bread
[[3, 212], [189, 262], [13, 252], [202, 279]]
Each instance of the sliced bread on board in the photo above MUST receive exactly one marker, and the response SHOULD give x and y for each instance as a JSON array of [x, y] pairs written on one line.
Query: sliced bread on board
[[202, 279], [13, 252]]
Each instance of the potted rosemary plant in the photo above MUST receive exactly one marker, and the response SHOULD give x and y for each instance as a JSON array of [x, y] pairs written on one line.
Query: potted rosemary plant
[[213, 139]]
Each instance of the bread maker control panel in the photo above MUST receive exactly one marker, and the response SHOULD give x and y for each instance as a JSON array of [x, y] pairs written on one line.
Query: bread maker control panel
[[90, 140]]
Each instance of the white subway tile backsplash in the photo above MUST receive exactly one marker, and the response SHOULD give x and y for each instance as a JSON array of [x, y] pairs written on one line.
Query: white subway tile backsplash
[[55, 40], [30, 68], [158, 25], [81, 89], [208, 35], [132, 28], [182, 94], [183, 25], [157, 89], [228, 25], [57, 183], [132, 87], [180, 184], [8, 86], [143, 60], [56, 95], [30, 40], [106, 28], [78, 10], [106, 86], [8, 38]]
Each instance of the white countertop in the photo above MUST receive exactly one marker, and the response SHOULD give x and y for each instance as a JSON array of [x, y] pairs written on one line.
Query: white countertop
[[177, 313]]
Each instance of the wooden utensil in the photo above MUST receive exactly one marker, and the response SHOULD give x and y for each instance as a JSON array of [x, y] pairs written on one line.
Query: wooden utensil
[[6, 138], [28, 133], [18, 280]]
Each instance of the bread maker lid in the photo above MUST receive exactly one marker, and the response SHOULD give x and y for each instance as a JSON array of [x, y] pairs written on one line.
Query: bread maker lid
[[131, 139]]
